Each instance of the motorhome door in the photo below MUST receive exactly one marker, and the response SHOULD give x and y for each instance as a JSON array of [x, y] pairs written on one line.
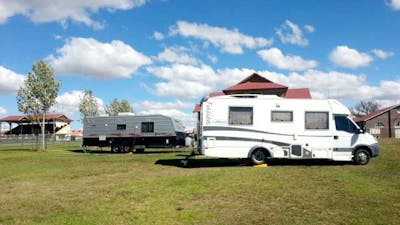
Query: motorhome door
[[345, 136]]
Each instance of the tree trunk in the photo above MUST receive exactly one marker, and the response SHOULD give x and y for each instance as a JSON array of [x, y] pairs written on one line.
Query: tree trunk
[[43, 124]]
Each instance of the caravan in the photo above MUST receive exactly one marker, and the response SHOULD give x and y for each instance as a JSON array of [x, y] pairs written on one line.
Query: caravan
[[126, 132], [260, 127]]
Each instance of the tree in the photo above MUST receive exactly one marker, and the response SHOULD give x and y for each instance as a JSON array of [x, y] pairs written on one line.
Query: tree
[[38, 94], [364, 107], [116, 107], [88, 105]]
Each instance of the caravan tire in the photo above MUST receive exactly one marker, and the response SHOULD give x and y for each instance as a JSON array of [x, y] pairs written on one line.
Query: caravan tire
[[258, 156], [114, 149], [361, 157]]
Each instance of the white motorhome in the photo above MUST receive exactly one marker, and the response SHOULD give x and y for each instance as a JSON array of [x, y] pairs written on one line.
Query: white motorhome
[[260, 127]]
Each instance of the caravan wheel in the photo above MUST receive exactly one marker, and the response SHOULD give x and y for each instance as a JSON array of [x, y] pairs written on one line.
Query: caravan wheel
[[258, 157], [114, 148]]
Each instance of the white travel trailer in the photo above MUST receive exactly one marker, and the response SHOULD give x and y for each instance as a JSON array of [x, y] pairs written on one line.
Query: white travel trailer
[[260, 127]]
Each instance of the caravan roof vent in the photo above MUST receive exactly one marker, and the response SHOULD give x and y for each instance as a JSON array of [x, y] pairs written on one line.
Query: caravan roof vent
[[126, 114]]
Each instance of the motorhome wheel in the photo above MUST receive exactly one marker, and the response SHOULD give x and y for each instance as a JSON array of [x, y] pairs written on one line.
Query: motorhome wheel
[[361, 157], [258, 157]]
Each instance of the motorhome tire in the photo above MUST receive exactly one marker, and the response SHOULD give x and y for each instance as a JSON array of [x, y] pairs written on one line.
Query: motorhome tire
[[361, 157], [258, 157]]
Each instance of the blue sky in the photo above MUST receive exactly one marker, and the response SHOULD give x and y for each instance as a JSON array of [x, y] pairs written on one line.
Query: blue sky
[[163, 56]]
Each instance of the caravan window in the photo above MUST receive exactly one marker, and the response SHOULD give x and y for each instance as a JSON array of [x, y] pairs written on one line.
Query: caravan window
[[147, 127], [121, 126], [317, 120], [240, 115], [282, 116], [344, 124]]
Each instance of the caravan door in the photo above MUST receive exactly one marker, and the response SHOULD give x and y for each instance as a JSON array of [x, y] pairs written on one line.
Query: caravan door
[[344, 138]]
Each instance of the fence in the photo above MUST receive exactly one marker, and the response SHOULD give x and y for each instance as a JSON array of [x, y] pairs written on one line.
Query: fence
[[33, 138]]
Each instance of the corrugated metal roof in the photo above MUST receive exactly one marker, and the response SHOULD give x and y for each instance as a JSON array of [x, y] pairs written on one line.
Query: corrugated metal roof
[[255, 86], [48, 117]]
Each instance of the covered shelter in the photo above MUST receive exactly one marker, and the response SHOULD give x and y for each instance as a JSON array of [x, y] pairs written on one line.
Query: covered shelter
[[54, 124]]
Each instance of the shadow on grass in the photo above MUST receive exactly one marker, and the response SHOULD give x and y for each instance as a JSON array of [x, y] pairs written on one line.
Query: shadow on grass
[[199, 163], [210, 162], [14, 149], [115, 153]]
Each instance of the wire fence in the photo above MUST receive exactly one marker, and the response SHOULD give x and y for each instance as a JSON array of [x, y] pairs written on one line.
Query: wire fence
[[32, 141]]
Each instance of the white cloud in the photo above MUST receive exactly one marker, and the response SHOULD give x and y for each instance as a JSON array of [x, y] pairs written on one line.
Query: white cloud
[[382, 54], [89, 57], [68, 103], [337, 85], [347, 57], [290, 33], [176, 55], [212, 58], [309, 28], [57, 37], [158, 36], [3, 112], [229, 41], [184, 81], [10, 81], [188, 81], [172, 109], [41, 11], [394, 4], [275, 57], [3, 126], [147, 105]]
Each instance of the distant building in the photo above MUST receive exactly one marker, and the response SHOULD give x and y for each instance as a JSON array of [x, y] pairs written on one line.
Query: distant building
[[58, 124], [76, 135], [382, 123], [257, 84]]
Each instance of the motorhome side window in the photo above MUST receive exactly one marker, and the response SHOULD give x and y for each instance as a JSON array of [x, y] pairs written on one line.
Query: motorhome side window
[[121, 126], [147, 127], [240, 115], [317, 120], [344, 124], [281, 116]]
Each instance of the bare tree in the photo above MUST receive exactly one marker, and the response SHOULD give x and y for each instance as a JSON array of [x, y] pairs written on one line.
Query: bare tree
[[364, 107], [38, 94]]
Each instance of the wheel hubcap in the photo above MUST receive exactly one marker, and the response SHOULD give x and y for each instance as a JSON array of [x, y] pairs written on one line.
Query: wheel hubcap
[[362, 157], [259, 156]]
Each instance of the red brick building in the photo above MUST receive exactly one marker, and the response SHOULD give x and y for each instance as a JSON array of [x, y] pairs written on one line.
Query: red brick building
[[382, 123]]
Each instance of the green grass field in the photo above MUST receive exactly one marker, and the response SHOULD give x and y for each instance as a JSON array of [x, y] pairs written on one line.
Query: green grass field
[[66, 186]]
